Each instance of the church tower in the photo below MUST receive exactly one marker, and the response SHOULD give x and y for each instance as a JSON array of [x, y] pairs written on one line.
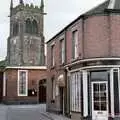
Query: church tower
[[25, 71], [26, 39]]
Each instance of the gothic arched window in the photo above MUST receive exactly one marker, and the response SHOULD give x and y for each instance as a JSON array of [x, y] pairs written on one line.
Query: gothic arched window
[[15, 29], [28, 26], [34, 27]]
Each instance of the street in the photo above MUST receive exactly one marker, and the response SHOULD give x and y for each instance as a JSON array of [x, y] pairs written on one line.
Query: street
[[27, 112]]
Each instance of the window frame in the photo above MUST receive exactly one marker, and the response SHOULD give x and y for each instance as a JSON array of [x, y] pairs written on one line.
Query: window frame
[[75, 40], [62, 51], [18, 87], [53, 55], [75, 91]]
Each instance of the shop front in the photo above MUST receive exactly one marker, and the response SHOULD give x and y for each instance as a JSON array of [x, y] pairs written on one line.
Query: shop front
[[95, 93]]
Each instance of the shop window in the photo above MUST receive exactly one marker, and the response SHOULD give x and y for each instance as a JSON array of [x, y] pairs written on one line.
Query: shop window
[[75, 88], [22, 83]]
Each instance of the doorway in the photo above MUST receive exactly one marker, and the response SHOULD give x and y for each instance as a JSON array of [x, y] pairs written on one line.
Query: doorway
[[42, 91], [100, 100], [61, 100]]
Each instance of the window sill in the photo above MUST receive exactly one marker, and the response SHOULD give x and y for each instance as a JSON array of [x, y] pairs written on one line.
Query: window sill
[[22, 95]]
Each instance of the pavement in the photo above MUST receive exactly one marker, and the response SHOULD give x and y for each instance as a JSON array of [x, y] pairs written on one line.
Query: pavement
[[27, 112]]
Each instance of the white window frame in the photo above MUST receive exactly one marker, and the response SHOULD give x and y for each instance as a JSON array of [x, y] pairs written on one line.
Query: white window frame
[[53, 55], [4, 84], [62, 43], [26, 91], [75, 89], [112, 91], [75, 40], [85, 92]]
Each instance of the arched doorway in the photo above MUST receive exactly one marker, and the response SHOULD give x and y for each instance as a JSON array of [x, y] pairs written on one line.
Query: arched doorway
[[42, 91]]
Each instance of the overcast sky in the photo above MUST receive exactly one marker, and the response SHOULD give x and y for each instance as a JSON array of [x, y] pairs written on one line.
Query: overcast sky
[[59, 14]]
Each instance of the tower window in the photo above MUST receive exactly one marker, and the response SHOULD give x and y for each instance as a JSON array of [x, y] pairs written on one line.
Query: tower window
[[28, 26], [34, 27], [31, 27], [15, 29]]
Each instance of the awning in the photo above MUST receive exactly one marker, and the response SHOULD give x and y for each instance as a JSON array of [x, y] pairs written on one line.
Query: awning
[[60, 81]]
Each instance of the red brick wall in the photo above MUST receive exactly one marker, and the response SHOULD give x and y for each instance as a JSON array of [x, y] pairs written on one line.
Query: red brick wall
[[33, 82], [96, 42], [100, 37], [76, 26], [115, 35], [53, 71]]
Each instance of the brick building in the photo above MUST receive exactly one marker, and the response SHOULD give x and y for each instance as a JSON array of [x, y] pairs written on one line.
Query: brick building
[[24, 72], [84, 61]]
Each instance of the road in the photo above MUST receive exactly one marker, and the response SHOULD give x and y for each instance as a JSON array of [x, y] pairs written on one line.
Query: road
[[27, 112], [24, 112]]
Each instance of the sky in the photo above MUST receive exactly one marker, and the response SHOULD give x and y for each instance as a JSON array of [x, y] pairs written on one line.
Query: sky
[[59, 14]]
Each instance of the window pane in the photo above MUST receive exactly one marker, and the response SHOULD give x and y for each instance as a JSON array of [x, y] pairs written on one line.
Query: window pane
[[103, 96], [75, 91], [22, 82], [75, 44], [103, 87], [52, 55], [103, 106], [96, 105], [96, 87], [96, 96]]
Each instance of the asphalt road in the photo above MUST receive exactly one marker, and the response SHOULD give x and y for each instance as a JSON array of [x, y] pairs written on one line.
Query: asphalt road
[[24, 112]]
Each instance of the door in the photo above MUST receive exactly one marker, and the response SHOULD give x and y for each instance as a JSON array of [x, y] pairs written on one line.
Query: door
[[61, 100], [99, 100], [42, 91]]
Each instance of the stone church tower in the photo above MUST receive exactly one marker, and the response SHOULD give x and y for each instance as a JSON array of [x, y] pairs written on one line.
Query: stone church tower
[[24, 76], [26, 40]]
